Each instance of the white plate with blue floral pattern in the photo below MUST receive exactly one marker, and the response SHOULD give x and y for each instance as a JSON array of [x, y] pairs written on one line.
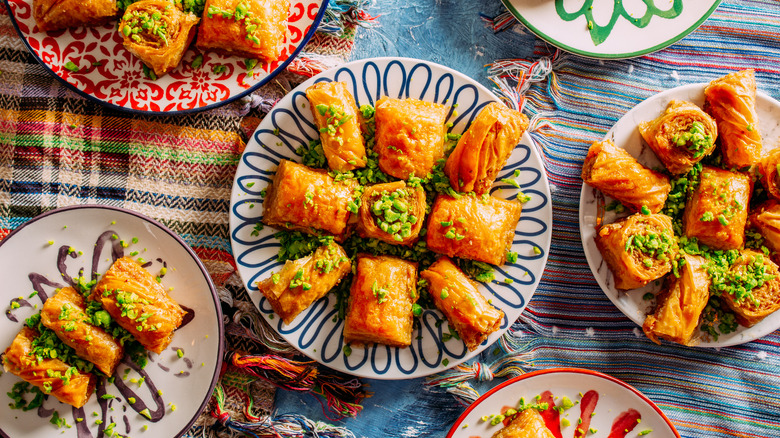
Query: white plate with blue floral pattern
[[315, 332]]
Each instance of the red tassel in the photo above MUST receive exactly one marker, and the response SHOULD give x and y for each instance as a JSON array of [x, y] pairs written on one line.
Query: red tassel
[[342, 393]]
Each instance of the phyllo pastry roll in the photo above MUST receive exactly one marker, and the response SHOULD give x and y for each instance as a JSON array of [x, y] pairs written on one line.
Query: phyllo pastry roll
[[527, 423], [766, 220], [50, 375], [717, 210], [336, 116], [483, 149], [409, 136], [731, 101], [769, 169], [65, 315], [462, 303], [303, 281], [61, 14], [681, 137], [391, 212], [473, 227], [157, 33], [756, 288], [139, 304], [308, 200], [679, 306], [617, 174], [380, 301], [638, 249], [247, 28]]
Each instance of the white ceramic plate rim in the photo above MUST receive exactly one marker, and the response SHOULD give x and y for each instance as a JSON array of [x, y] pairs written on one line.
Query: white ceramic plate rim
[[517, 10], [204, 273], [542, 241], [630, 302], [518, 384]]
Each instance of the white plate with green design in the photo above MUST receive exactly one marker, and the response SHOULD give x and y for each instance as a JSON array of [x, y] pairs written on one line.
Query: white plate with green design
[[613, 29]]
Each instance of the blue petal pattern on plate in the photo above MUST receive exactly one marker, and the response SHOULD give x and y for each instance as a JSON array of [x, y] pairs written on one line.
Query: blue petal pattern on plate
[[314, 332]]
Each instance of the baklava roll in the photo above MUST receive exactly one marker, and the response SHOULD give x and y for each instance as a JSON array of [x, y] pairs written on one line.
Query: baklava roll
[[471, 227], [731, 101], [638, 249], [65, 315], [766, 220], [716, 212], [62, 14], [392, 212], [461, 302], [139, 304], [247, 28], [383, 291], [303, 281], [527, 423], [157, 33], [681, 137], [337, 118], [769, 169], [617, 174], [679, 306], [50, 375], [750, 306], [308, 200], [410, 136], [482, 151]]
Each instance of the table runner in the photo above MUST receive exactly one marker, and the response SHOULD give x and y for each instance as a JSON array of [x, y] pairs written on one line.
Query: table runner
[[726, 392], [59, 149]]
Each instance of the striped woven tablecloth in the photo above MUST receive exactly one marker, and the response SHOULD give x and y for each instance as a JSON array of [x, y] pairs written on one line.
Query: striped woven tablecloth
[[58, 149]]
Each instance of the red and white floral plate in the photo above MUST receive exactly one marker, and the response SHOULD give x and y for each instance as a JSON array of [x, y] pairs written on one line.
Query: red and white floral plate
[[111, 75]]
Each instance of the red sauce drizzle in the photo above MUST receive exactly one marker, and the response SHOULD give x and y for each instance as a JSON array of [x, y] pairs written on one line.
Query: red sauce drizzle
[[550, 416], [625, 423], [508, 418], [587, 406]]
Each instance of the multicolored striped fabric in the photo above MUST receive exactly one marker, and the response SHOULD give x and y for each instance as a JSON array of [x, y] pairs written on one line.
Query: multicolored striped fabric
[[728, 392], [59, 149]]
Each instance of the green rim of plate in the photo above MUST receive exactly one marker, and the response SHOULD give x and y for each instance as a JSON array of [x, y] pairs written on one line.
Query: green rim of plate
[[588, 54]]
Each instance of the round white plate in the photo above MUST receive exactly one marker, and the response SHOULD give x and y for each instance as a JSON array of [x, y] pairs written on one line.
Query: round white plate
[[614, 397], [119, 81], [30, 263], [618, 29], [626, 135], [290, 124]]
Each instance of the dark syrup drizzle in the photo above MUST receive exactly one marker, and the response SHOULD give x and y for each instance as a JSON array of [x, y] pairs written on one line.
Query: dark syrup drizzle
[[40, 283]]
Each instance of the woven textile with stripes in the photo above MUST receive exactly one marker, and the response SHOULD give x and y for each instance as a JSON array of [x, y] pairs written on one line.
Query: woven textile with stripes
[[726, 392]]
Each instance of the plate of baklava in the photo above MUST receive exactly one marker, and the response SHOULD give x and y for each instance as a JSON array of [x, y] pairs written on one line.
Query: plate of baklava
[[165, 56], [391, 218], [112, 327], [679, 213], [563, 402]]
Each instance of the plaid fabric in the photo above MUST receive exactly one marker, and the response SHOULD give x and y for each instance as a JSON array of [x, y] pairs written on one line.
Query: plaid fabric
[[58, 149]]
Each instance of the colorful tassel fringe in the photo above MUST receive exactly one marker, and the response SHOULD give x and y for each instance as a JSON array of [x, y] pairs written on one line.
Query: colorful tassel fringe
[[280, 426], [509, 364], [500, 22], [342, 393], [513, 77], [342, 13]]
